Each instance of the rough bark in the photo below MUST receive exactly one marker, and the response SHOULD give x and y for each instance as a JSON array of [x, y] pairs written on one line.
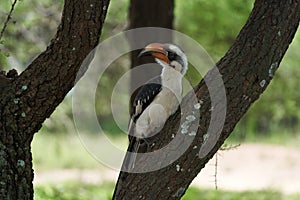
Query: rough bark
[[28, 99], [246, 69]]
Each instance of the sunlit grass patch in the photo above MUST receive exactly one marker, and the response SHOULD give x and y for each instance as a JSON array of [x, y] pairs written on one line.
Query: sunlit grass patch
[[81, 191]]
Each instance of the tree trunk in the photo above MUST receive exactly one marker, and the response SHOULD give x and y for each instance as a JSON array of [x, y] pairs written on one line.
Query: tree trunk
[[28, 99], [154, 13], [246, 70]]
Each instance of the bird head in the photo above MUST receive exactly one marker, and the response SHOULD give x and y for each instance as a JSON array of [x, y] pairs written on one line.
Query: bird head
[[167, 55]]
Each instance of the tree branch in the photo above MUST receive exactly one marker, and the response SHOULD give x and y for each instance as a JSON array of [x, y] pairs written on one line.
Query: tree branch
[[46, 81], [28, 99], [246, 69], [7, 19]]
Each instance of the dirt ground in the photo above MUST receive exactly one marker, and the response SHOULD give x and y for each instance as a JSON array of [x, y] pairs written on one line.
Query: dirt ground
[[248, 167]]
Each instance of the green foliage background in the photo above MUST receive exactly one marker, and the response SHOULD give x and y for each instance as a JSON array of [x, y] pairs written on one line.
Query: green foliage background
[[214, 24]]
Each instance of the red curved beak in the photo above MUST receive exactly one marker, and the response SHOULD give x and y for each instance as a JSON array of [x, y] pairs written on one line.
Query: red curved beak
[[156, 50]]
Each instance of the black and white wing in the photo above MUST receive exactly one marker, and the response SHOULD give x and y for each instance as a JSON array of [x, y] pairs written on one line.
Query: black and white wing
[[142, 100], [144, 97]]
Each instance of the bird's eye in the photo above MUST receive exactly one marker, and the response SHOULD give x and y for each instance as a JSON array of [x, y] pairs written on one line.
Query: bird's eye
[[171, 55]]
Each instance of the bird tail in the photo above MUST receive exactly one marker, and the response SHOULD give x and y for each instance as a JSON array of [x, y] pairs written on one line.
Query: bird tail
[[131, 154]]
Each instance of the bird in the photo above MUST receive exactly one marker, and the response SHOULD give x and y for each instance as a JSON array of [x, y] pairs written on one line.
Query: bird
[[158, 99]]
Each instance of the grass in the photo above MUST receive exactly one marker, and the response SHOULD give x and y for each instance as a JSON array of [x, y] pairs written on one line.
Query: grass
[[282, 139], [79, 191], [57, 151], [74, 191], [195, 194], [53, 151]]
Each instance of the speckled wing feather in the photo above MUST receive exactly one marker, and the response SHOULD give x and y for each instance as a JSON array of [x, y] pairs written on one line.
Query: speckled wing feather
[[144, 97]]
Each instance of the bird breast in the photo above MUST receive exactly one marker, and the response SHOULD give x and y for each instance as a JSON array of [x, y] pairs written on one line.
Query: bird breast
[[156, 114]]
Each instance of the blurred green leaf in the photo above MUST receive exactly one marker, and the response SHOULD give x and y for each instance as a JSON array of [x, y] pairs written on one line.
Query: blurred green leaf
[[214, 24]]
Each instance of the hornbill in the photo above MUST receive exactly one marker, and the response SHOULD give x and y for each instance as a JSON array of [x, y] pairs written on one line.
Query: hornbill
[[157, 100]]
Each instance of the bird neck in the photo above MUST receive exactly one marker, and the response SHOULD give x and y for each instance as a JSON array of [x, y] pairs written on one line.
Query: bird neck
[[170, 78]]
